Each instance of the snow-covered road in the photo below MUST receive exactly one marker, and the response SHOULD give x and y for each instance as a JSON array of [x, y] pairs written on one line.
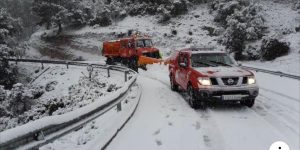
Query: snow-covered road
[[164, 120]]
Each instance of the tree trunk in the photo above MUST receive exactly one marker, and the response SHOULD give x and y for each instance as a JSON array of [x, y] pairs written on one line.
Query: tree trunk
[[59, 27], [48, 25]]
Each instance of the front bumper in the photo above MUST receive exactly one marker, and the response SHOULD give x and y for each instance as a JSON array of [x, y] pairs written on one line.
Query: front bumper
[[227, 93]]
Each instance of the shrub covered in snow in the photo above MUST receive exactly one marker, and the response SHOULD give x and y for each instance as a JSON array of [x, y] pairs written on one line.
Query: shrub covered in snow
[[251, 53], [272, 48], [63, 12], [242, 23], [296, 6], [102, 19], [234, 38], [23, 104], [15, 102], [225, 8], [164, 9]]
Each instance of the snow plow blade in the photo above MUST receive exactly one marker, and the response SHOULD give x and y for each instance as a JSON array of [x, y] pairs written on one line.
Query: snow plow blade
[[143, 60]]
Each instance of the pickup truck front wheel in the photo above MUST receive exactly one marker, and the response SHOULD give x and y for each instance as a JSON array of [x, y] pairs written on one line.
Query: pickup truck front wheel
[[193, 100], [248, 103]]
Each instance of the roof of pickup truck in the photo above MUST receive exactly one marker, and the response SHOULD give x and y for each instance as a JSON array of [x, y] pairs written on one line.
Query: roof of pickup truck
[[202, 51]]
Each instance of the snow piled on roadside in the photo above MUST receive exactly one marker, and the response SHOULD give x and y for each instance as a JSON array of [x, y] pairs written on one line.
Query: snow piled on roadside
[[96, 133], [66, 90]]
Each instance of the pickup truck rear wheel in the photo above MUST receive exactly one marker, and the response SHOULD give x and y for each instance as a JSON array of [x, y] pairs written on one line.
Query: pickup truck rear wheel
[[174, 86], [248, 103], [109, 61]]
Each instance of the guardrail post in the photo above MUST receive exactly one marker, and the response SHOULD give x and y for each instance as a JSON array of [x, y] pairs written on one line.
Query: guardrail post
[[108, 72], [126, 73], [39, 136], [90, 70], [119, 106]]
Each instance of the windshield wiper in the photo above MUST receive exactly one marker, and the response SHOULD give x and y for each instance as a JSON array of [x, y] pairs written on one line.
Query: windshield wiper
[[220, 63]]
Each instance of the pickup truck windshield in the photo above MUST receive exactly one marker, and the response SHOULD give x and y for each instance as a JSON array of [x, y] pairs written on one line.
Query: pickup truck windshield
[[144, 43], [211, 59]]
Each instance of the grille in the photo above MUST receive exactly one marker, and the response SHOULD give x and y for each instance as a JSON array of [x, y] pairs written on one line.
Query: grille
[[220, 93], [214, 81], [244, 80], [230, 81]]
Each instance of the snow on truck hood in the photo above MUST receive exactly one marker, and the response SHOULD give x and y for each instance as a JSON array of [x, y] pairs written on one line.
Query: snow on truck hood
[[223, 71]]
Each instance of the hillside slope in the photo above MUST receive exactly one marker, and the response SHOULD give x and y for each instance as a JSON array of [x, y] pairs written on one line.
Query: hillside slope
[[180, 32]]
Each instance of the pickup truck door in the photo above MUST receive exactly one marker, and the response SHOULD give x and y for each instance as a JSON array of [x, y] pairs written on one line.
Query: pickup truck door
[[183, 71]]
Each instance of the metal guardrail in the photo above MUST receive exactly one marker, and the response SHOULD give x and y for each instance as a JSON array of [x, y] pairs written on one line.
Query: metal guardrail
[[278, 73], [44, 132]]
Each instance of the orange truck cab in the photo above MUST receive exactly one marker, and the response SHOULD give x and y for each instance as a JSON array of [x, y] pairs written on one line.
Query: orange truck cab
[[129, 50]]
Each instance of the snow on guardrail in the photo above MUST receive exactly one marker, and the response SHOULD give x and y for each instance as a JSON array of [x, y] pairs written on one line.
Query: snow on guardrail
[[24, 134], [274, 72]]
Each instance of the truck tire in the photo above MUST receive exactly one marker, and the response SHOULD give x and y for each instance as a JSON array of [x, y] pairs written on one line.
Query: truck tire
[[135, 65], [109, 61], [174, 86], [249, 103], [194, 101]]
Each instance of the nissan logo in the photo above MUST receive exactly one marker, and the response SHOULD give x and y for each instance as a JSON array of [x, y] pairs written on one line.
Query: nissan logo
[[230, 81]]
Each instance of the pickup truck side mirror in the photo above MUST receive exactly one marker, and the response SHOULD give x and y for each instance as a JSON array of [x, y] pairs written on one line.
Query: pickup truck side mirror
[[183, 65]]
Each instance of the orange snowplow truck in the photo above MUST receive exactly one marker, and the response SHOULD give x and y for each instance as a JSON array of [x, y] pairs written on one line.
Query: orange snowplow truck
[[133, 51]]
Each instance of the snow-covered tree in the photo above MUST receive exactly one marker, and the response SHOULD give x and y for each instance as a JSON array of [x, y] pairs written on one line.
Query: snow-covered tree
[[62, 12], [21, 9], [9, 29], [234, 37], [242, 22]]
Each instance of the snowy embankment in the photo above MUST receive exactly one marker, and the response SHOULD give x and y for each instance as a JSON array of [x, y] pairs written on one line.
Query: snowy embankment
[[77, 94], [164, 120], [96, 134], [288, 64], [281, 21], [182, 31]]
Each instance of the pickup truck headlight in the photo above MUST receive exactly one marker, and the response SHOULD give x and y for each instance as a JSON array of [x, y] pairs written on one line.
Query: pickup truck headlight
[[251, 80], [204, 81]]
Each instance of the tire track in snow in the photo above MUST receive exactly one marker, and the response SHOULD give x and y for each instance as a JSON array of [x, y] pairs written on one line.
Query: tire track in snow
[[282, 119], [236, 128], [280, 94], [150, 128], [208, 127], [243, 128]]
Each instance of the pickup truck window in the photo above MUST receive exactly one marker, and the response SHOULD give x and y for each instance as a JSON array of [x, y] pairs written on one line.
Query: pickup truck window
[[183, 58], [211, 60]]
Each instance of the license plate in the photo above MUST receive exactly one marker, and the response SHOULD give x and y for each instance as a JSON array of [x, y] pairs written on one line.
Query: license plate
[[232, 97]]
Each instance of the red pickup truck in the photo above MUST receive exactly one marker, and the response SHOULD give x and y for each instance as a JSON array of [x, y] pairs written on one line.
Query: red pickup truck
[[209, 75]]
